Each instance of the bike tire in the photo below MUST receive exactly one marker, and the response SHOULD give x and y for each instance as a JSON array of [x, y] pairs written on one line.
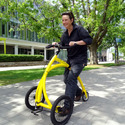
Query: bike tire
[[84, 97], [27, 99], [54, 120]]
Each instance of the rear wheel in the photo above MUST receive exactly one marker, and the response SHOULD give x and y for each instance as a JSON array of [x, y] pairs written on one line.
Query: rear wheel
[[84, 97], [56, 118], [30, 99]]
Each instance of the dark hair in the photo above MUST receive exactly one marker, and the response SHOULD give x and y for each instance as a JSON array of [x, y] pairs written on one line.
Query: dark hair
[[71, 16]]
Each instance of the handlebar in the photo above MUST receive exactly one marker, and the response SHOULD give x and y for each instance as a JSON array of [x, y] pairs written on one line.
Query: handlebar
[[60, 46]]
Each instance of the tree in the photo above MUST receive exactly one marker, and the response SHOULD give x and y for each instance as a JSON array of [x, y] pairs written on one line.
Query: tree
[[35, 15], [97, 16], [122, 47], [110, 39]]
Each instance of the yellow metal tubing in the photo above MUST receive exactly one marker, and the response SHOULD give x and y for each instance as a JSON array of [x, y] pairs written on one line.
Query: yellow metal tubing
[[83, 87], [44, 105], [41, 89], [60, 61], [57, 66], [50, 63]]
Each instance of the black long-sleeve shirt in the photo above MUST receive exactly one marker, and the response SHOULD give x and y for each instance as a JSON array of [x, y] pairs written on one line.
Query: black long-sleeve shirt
[[77, 54]]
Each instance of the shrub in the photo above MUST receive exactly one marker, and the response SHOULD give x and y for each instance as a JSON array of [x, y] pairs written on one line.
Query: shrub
[[19, 58]]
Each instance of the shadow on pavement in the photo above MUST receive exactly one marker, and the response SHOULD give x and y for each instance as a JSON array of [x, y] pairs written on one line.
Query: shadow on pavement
[[106, 105]]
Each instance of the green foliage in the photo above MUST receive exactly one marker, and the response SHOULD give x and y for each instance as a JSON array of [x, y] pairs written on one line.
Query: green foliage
[[122, 49], [113, 55], [109, 40], [99, 17], [19, 58], [44, 17]]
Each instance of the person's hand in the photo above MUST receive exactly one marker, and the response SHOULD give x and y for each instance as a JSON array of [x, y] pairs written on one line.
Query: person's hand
[[72, 43], [54, 43]]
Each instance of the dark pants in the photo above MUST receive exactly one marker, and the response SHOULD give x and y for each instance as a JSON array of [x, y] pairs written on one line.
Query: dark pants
[[70, 79]]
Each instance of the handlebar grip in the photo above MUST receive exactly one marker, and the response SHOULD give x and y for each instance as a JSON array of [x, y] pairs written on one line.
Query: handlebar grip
[[50, 46]]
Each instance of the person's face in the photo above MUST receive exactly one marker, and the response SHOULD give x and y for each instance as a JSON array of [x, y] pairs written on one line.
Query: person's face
[[66, 21]]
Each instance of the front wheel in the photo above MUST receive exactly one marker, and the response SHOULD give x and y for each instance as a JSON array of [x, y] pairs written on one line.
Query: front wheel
[[30, 99], [56, 118]]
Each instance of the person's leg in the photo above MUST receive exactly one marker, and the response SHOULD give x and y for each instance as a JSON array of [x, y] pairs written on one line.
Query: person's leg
[[66, 72], [78, 90], [71, 80]]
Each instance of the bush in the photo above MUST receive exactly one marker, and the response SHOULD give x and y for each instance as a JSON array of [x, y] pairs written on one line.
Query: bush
[[19, 58]]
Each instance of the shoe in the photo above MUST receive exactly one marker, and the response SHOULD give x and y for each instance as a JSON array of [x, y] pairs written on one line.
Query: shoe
[[77, 98], [63, 111]]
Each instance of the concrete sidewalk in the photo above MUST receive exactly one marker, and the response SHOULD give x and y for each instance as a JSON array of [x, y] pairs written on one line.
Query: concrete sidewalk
[[32, 67], [22, 67], [106, 105]]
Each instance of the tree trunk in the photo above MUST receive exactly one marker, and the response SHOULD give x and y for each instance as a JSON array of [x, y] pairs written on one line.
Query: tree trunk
[[116, 54], [93, 54]]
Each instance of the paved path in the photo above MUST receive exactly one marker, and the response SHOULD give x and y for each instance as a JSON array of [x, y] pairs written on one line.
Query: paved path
[[33, 67], [22, 67], [106, 105]]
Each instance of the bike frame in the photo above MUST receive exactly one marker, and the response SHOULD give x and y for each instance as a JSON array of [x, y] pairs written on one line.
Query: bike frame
[[41, 89]]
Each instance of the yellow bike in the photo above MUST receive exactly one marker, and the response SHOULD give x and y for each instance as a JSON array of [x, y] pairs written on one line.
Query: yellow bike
[[36, 96]]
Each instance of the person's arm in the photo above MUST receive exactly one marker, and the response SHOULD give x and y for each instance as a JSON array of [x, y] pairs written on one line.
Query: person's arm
[[84, 36], [81, 42]]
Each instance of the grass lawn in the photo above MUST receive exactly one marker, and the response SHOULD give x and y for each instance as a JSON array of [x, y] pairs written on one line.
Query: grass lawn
[[17, 76]]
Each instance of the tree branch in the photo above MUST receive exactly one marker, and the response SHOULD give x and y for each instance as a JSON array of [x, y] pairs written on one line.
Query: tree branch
[[83, 6], [88, 8], [105, 10], [95, 5], [73, 2], [64, 5], [56, 34], [77, 13], [100, 29], [69, 1], [99, 41], [34, 18], [110, 19]]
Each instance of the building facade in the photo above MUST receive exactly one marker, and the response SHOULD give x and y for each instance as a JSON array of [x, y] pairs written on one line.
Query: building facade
[[22, 42]]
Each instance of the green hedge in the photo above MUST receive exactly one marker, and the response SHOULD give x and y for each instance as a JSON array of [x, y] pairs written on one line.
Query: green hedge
[[19, 58]]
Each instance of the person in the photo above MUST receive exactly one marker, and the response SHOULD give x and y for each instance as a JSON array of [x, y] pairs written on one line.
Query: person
[[78, 38]]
